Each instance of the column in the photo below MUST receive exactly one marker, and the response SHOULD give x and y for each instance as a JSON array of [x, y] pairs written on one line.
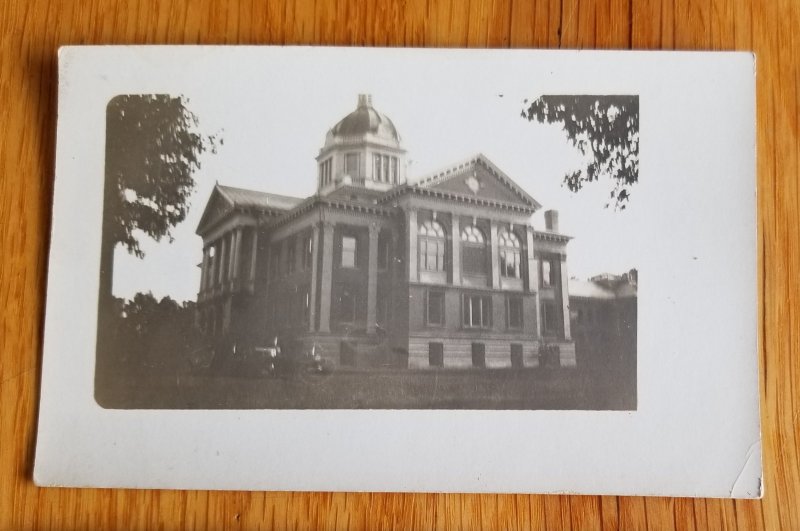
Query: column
[[372, 277], [456, 250], [221, 262], [565, 297], [233, 249], [237, 252], [495, 255], [312, 311], [212, 267], [253, 255], [533, 278], [411, 251], [203, 266], [326, 278]]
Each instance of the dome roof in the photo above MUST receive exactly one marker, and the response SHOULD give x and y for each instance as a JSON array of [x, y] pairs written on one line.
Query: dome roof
[[366, 120]]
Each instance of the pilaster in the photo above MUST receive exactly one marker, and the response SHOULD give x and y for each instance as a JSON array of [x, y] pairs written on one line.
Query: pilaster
[[222, 256], [495, 254], [372, 277], [455, 249], [312, 311], [411, 249], [253, 257], [327, 278], [565, 298], [533, 278]]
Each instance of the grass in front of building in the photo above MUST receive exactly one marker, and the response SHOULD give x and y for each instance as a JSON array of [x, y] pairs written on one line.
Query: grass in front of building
[[515, 389]]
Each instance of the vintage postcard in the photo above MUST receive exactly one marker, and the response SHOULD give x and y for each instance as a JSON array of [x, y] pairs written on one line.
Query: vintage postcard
[[403, 270]]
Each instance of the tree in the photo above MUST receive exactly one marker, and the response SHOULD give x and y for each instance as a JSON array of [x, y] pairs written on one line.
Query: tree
[[153, 333], [152, 151], [605, 129]]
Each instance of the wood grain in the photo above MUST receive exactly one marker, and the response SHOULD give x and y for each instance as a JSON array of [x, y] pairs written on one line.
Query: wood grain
[[31, 32]]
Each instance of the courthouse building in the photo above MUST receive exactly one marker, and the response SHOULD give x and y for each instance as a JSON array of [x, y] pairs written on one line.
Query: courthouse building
[[444, 271]]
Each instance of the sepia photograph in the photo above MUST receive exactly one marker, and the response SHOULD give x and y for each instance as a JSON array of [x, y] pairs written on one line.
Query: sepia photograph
[[352, 269], [353, 276]]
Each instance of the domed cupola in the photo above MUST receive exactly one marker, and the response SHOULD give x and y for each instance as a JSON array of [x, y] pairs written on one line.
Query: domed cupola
[[365, 120], [364, 150]]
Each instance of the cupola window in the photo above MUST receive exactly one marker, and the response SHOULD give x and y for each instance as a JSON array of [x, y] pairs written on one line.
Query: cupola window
[[351, 165], [384, 169], [325, 173]]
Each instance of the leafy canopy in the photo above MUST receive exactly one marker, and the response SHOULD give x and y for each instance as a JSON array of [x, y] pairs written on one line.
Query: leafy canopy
[[603, 128], [152, 150]]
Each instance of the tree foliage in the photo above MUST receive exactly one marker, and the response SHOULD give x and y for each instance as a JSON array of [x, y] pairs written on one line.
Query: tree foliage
[[153, 333], [603, 128], [152, 150]]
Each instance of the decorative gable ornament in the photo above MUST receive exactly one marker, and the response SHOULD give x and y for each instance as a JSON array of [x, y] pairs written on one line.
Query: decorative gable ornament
[[474, 184]]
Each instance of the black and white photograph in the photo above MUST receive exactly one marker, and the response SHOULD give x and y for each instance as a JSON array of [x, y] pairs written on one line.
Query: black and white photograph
[[425, 270], [263, 258]]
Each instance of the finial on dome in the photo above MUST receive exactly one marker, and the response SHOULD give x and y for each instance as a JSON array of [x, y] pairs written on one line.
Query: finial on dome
[[365, 100]]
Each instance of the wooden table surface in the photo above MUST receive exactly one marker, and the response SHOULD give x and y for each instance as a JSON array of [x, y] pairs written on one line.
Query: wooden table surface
[[31, 33]]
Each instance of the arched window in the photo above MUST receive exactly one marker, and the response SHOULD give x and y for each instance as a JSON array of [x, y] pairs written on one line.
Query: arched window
[[510, 254], [473, 251], [472, 234], [431, 246]]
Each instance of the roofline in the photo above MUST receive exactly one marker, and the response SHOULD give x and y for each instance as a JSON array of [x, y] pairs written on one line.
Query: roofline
[[551, 236], [316, 200], [612, 297], [251, 209], [216, 189], [222, 188], [444, 173], [431, 192]]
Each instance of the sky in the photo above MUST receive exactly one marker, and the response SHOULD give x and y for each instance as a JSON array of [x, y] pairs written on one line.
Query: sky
[[273, 121]]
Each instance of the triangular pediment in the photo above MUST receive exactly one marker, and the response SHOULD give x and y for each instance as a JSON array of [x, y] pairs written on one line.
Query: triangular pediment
[[480, 178], [217, 207]]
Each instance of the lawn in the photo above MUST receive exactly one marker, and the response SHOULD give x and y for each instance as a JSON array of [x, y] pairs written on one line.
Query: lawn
[[380, 389]]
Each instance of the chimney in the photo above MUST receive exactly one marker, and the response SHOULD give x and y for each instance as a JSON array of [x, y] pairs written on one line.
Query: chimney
[[364, 100], [551, 220]]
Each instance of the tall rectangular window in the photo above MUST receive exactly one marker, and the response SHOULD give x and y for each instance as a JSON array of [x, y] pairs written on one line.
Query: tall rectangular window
[[393, 173], [349, 249], [351, 165], [434, 310], [477, 311], [510, 263], [325, 173], [514, 312], [550, 321], [548, 274], [377, 167]]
